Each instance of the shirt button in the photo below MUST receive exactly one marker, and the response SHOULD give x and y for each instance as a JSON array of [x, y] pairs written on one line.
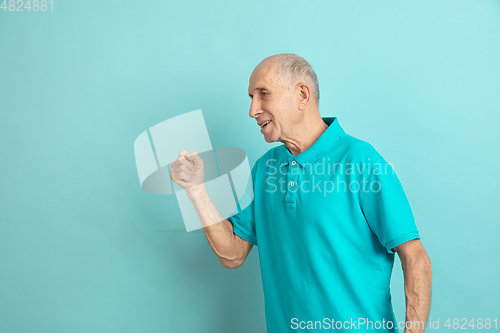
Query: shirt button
[[293, 162], [292, 184]]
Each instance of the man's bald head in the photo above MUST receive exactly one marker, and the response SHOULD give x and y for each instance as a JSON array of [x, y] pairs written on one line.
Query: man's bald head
[[293, 69]]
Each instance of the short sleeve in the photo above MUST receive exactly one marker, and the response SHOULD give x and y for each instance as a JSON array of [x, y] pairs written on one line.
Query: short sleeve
[[244, 220], [385, 206]]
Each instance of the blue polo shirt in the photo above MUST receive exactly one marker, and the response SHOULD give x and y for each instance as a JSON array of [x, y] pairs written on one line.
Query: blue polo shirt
[[326, 222]]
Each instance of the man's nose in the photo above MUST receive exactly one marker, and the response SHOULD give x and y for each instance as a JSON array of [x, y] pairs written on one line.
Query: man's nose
[[254, 109]]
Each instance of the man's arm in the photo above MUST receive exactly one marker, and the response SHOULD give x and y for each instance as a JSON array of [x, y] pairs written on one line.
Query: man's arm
[[188, 172], [417, 271], [231, 249]]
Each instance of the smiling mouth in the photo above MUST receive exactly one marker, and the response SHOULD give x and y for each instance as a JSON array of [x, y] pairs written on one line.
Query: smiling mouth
[[265, 124]]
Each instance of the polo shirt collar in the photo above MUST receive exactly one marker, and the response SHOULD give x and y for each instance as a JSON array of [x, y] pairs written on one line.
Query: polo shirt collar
[[325, 141]]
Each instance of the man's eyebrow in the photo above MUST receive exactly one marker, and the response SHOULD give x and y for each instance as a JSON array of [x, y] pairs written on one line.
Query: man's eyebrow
[[258, 88]]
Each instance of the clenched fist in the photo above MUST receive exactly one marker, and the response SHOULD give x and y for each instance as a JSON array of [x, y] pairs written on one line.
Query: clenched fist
[[188, 171]]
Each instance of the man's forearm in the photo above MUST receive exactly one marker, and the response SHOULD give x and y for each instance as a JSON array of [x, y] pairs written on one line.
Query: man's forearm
[[227, 246], [418, 281]]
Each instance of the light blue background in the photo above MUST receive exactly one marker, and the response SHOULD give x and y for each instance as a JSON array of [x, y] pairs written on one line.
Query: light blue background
[[84, 249]]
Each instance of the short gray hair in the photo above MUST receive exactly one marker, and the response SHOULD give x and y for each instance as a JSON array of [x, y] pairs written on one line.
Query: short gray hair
[[293, 68]]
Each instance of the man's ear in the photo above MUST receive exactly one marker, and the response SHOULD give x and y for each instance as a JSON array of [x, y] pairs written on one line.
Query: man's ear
[[304, 95]]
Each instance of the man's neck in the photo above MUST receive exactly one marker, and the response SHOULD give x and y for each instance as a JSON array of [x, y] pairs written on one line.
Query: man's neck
[[305, 135]]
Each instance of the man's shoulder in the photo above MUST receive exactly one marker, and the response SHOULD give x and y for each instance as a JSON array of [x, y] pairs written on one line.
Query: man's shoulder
[[357, 149]]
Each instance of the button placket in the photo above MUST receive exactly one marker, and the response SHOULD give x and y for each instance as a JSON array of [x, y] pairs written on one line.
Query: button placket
[[292, 184]]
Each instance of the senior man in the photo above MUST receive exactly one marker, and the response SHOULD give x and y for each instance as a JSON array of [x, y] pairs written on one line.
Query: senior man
[[328, 214]]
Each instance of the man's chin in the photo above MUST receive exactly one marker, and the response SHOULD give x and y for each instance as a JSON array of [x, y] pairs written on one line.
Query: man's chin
[[269, 139], [270, 135]]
